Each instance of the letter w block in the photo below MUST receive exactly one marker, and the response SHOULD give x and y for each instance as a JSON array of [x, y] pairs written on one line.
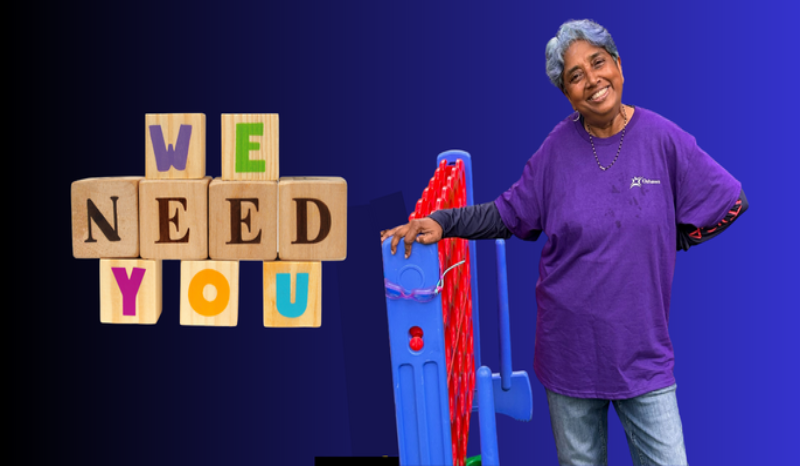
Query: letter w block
[[175, 146], [105, 217]]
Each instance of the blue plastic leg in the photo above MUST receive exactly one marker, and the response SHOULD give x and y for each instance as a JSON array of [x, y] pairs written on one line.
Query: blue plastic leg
[[505, 325], [489, 454]]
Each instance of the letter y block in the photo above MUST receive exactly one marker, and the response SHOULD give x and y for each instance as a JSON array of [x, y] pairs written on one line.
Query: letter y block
[[130, 291]]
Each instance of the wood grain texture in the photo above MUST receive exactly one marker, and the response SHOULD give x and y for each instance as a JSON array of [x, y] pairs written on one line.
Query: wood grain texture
[[312, 312], [96, 200], [173, 219], [312, 196], [210, 293], [253, 149], [170, 124], [232, 206], [144, 296]]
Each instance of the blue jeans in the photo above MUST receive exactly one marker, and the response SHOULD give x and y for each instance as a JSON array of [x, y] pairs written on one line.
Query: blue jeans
[[651, 421]]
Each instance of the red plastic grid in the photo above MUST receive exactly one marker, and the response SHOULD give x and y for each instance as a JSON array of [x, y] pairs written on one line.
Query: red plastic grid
[[447, 190]]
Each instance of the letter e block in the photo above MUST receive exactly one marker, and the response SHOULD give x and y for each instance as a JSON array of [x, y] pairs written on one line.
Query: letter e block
[[243, 221], [173, 219], [105, 217], [175, 146], [292, 294], [130, 291], [250, 147], [210, 293], [313, 218]]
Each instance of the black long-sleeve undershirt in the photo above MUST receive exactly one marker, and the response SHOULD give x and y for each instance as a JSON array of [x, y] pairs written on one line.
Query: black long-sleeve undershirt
[[483, 221]]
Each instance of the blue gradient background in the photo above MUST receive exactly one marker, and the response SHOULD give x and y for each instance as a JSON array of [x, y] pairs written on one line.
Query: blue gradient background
[[372, 92]]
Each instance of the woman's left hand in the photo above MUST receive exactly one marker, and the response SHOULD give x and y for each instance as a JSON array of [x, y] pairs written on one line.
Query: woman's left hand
[[423, 230]]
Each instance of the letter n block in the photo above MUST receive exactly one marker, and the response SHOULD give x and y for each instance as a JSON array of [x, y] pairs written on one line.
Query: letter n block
[[130, 291], [175, 146], [313, 218], [105, 217], [173, 219], [210, 293], [292, 294], [250, 147], [243, 220]]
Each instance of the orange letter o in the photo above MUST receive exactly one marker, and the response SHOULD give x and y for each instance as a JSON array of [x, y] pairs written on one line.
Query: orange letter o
[[199, 303]]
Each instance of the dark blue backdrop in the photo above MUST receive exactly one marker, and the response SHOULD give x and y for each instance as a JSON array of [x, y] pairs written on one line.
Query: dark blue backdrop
[[372, 92]]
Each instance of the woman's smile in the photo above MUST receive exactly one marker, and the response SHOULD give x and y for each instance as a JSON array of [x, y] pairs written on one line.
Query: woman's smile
[[600, 95]]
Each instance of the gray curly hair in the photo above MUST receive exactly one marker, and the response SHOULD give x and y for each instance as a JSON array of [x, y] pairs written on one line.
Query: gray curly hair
[[568, 33]]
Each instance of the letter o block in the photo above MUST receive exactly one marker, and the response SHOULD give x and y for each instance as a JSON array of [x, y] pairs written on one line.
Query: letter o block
[[210, 293], [313, 218], [130, 291]]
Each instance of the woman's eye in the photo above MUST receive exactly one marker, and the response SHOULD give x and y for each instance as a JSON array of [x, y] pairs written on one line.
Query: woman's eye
[[599, 63]]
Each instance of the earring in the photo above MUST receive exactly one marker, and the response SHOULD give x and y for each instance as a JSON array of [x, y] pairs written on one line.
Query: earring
[[577, 116]]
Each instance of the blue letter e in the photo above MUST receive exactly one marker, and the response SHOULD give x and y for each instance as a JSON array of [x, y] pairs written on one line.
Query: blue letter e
[[284, 292]]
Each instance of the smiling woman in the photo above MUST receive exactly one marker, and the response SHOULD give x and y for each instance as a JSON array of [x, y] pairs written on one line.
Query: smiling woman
[[606, 271]]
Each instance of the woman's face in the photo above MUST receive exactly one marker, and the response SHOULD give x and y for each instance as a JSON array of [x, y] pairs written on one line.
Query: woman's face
[[592, 81]]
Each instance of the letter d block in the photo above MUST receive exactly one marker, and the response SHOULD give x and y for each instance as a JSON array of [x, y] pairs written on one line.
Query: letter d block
[[130, 291], [292, 294], [175, 146], [210, 293], [313, 218], [173, 219], [243, 220], [105, 217]]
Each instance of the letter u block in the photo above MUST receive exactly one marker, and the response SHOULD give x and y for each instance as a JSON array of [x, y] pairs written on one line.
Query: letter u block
[[243, 220], [313, 218], [130, 291], [250, 147], [210, 293], [173, 219], [175, 146], [105, 217], [292, 294]]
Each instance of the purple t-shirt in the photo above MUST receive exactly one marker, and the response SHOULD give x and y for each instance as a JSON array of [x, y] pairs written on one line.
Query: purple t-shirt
[[605, 274]]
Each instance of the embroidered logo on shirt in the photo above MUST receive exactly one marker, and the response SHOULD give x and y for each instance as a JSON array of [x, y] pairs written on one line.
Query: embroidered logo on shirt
[[638, 180]]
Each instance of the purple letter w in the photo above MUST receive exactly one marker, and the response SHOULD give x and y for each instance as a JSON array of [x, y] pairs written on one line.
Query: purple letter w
[[168, 156]]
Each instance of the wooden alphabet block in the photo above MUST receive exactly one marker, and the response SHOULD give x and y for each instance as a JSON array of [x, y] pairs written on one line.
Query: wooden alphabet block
[[210, 293], [173, 219], [175, 146], [313, 218], [243, 220], [250, 147], [292, 294], [130, 291], [105, 217]]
